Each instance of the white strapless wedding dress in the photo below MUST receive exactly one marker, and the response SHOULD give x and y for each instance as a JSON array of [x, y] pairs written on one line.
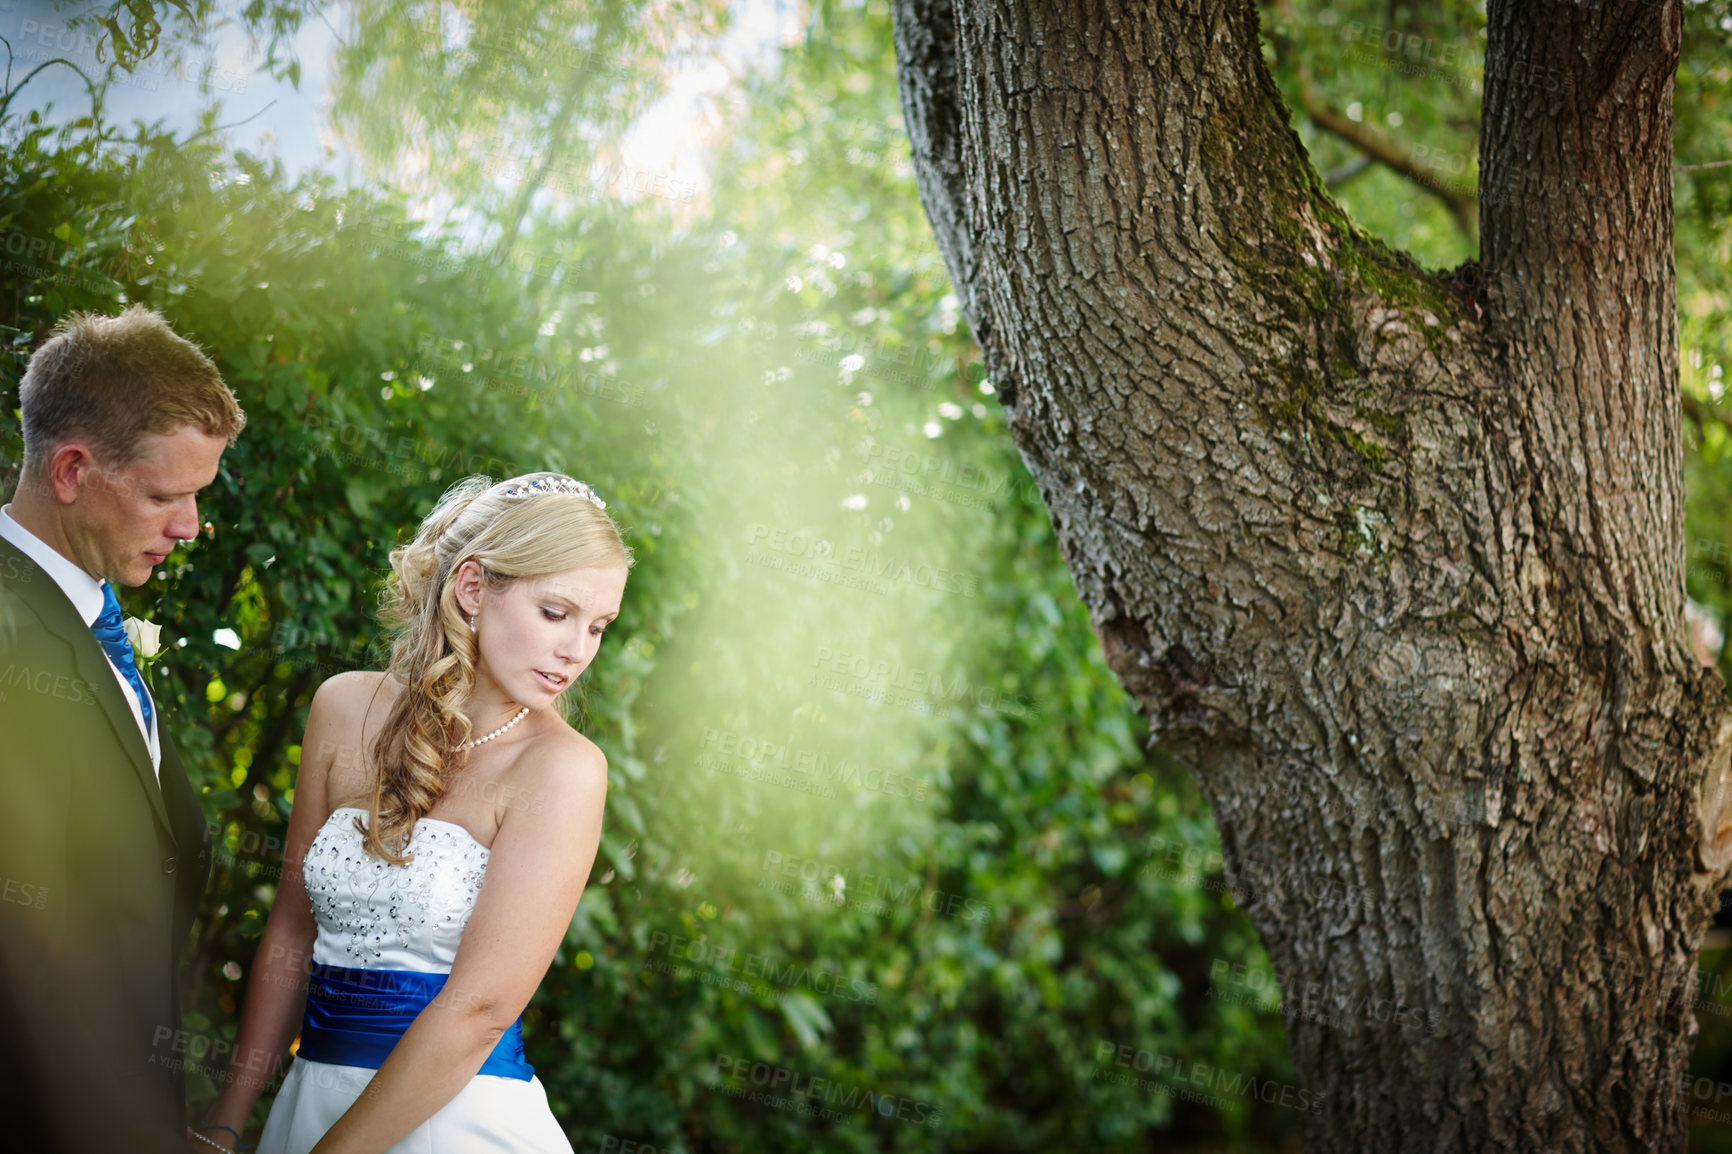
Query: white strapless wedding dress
[[378, 917]]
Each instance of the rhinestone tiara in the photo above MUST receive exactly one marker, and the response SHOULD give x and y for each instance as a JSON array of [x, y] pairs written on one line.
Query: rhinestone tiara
[[556, 484]]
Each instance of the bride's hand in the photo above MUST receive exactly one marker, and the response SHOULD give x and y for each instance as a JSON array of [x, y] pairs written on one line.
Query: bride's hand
[[202, 1145]]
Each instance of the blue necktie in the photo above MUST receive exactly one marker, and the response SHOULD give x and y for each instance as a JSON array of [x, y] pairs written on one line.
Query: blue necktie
[[112, 633]]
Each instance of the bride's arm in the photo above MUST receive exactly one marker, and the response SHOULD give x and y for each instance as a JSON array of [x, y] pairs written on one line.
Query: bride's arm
[[536, 872], [277, 987]]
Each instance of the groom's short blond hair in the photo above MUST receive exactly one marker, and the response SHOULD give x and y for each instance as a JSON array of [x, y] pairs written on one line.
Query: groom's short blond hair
[[111, 381]]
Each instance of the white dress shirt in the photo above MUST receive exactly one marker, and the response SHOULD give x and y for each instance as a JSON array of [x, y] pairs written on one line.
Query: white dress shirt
[[85, 593]]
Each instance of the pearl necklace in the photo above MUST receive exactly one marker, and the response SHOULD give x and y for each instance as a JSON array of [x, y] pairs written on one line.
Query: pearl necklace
[[477, 741]]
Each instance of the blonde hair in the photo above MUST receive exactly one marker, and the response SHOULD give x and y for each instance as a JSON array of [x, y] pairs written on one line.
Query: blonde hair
[[115, 379], [433, 650]]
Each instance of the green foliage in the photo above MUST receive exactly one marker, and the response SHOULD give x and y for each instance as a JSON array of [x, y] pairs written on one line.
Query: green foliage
[[843, 564], [485, 105]]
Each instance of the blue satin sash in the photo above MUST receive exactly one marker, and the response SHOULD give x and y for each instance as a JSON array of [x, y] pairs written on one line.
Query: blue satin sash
[[355, 1016]]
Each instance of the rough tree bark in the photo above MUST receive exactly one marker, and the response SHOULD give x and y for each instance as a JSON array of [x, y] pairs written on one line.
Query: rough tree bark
[[1392, 559]]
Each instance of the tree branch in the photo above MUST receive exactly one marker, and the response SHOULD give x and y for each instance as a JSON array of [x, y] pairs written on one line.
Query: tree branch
[[1703, 412], [559, 130], [6, 97], [1463, 206], [1336, 177]]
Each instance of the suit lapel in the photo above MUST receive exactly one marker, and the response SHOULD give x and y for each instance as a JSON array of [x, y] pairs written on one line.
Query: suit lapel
[[60, 617]]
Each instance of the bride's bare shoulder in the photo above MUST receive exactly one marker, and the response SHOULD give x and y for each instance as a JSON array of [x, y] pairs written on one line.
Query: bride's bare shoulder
[[563, 761], [347, 711], [355, 693]]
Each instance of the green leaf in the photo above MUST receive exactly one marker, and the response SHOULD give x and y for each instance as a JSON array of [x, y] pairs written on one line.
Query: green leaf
[[805, 1017]]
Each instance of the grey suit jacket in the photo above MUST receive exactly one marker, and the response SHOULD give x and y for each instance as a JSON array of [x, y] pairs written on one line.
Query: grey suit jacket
[[101, 874]]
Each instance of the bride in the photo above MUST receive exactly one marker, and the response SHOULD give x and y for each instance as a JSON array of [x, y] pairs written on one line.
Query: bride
[[421, 902]]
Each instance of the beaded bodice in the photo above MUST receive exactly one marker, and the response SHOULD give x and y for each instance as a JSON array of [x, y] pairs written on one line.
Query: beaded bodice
[[373, 914]]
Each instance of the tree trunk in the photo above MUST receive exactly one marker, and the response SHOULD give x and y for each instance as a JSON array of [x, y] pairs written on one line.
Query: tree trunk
[[1392, 559]]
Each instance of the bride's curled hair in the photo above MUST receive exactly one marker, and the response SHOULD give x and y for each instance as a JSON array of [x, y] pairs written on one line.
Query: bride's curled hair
[[433, 650]]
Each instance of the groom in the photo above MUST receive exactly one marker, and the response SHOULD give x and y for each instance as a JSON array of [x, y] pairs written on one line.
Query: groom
[[104, 853]]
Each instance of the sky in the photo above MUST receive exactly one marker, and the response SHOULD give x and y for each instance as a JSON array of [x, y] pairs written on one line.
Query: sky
[[273, 118]]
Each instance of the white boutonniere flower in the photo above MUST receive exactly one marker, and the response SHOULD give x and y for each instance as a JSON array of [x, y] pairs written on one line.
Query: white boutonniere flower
[[144, 636]]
